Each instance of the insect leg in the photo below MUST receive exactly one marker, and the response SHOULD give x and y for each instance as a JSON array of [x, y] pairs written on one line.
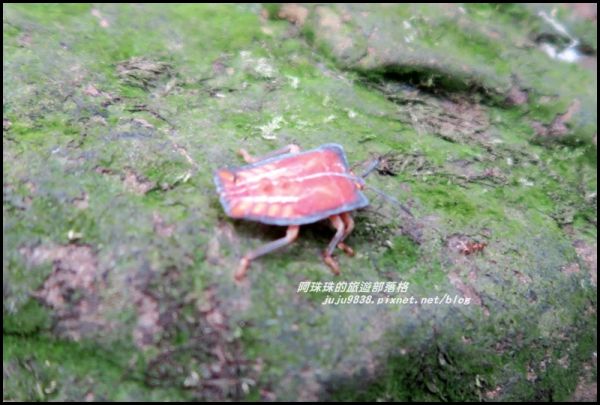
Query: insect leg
[[290, 236], [338, 224], [291, 148], [349, 226]]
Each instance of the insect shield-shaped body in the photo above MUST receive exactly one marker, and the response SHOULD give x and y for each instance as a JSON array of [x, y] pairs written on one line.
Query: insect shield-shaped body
[[473, 247], [292, 188]]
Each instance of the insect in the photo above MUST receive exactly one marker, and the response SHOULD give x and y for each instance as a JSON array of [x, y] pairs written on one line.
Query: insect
[[290, 188], [471, 247]]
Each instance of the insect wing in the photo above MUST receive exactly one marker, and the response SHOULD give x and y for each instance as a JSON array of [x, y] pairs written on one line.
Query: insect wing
[[291, 189]]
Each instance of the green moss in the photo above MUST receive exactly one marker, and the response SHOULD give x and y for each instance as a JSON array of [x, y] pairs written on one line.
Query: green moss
[[402, 255], [62, 144], [52, 13], [454, 202], [41, 368], [273, 9], [441, 371], [30, 318]]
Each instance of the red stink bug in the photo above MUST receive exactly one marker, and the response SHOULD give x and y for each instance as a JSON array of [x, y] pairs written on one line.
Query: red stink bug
[[472, 247], [292, 188]]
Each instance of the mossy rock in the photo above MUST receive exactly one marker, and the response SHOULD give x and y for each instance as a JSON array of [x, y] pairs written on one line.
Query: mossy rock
[[118, 258]]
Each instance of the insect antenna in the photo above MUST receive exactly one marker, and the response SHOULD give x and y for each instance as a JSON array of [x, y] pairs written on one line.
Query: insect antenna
[[361, 180], [390, 199], [370, 168], [373, 165]]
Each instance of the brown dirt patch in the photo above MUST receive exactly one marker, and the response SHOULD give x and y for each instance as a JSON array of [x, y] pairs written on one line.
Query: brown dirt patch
[[294, 13], [72, 289]]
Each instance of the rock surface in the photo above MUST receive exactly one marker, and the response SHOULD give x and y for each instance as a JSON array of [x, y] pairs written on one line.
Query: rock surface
[[118, 258]]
